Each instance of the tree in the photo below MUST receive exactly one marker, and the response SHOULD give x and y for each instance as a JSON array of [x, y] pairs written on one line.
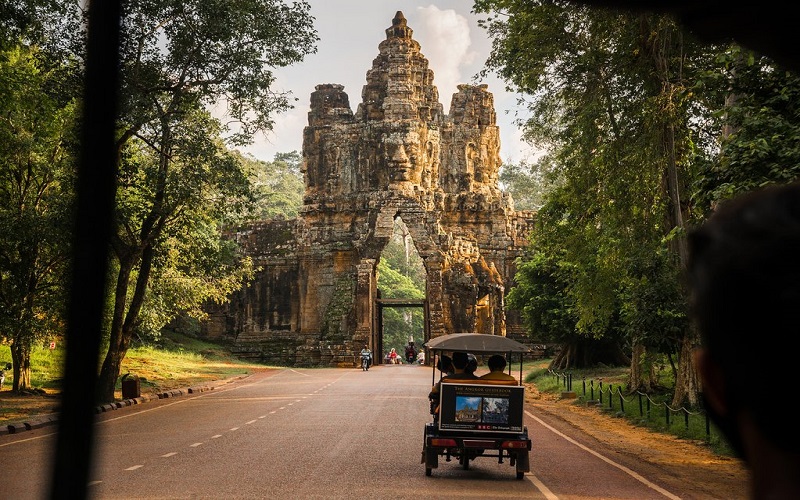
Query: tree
[[399, 323], [178, 58], [525, 182], [758, 103], [609, 94], [541, 294], [401, 275], [36, 187], [42, 23], [171, 209], [278, 186]]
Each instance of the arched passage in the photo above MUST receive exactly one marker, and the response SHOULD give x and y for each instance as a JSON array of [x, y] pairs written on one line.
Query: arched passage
[[315, 299]]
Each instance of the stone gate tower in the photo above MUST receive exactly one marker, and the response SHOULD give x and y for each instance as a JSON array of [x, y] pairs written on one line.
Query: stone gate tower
[[315, 302]]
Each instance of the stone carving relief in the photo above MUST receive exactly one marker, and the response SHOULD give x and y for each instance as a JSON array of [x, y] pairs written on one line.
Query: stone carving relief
[[397, 155]]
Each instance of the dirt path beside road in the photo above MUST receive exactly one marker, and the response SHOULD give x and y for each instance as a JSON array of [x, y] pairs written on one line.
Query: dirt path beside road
[[680, 460]]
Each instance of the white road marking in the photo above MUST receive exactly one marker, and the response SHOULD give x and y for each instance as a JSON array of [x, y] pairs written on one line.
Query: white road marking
[[549, 495], [195, 445], [609, 461], [169, 454], [135, 467]]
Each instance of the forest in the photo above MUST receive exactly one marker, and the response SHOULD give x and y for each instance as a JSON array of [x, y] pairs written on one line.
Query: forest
[[644, 130]]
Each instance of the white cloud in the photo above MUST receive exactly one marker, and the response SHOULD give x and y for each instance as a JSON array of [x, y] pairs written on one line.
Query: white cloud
[[350, 31], [445, 40]]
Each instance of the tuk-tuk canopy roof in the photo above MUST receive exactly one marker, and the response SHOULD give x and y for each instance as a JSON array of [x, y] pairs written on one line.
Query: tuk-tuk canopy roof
[[475, 343]]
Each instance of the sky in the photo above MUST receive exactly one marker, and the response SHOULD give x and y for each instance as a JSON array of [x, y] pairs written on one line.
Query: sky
[[350, 31]]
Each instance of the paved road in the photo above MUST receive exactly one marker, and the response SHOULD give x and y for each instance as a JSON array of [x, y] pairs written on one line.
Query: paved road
[[314, 433]]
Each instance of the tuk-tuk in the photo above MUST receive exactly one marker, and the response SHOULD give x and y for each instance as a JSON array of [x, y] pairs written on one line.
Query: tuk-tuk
[[477, 417]]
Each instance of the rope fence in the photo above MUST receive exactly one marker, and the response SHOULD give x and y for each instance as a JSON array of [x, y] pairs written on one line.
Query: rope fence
[[607, 396]]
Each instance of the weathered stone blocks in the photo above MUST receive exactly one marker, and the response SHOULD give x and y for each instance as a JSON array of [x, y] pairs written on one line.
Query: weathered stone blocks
[[314, 301]]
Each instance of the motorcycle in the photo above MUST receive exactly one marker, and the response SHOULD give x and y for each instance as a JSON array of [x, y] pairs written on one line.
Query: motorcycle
[[365, 361], [411, 355]]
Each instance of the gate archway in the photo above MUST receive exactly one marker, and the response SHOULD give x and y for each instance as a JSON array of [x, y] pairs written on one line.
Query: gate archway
[[314, 301], [399, 303]]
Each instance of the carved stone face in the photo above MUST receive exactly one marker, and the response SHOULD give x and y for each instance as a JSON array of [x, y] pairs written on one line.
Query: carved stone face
[[404, 157]]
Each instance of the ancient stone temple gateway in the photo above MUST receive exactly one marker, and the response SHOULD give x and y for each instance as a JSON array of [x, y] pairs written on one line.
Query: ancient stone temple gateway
[[315, 301]]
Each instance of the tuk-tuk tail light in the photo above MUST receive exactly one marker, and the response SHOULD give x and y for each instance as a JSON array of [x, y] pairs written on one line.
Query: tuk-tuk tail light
[[443, 442], [514, 444]]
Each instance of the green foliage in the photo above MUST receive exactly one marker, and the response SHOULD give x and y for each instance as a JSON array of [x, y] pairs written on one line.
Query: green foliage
[[203, 53], [399, 323], [401, 255], [525, 182], [395, 285], [278, 186], [204, 188], [36, 188], [178, 182], [541, 296], [759, 104], [48, 24], [401, 275], [606, 90], [653, 305]]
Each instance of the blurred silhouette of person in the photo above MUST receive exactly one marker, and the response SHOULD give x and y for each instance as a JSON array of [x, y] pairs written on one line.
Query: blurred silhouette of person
[[744, 276]]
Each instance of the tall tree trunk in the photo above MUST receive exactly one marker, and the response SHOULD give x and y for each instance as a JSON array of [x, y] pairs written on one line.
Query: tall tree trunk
[[637, 360], [685, 384], [642, 375], [122, 330], [21, 361], [687, 387], [107, 381], [123, 324]]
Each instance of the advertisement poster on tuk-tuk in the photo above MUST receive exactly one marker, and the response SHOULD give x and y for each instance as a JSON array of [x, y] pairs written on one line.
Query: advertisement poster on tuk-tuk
[[485, 408]]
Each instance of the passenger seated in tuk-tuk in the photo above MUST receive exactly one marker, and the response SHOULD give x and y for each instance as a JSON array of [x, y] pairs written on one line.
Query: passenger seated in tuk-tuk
[[459, 365], [444, 365], [472, 364], [497, 366], [461, 368]]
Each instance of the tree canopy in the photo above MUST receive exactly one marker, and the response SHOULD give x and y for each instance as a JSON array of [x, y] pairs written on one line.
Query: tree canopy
[[646, 129], [37, 133]]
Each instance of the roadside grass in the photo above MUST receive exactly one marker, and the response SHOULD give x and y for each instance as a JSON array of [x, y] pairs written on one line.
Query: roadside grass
[[177, 361], [606, 388], [174, 361]]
